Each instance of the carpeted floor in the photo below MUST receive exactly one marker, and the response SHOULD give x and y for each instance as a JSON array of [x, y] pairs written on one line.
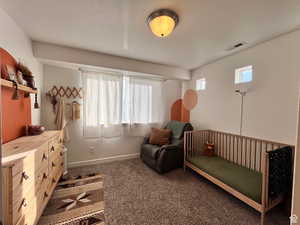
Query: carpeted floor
[[136, 195]]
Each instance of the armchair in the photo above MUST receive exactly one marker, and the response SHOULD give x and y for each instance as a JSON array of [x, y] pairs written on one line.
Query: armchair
[[167, 157]]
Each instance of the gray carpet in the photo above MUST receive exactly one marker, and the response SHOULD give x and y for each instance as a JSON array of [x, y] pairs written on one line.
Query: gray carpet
[[136, 195]]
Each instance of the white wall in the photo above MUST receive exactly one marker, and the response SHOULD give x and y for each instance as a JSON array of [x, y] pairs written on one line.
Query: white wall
[[270, 109], [52, 52], [16, 42], [104, 148], [296, 196]]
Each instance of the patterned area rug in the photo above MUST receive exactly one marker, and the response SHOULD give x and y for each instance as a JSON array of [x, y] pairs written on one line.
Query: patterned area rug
[[76, 201]]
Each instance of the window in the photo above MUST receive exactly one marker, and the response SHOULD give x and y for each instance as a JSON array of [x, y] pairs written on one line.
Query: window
[[114, 100], [243, 75], [201, 84], [141, 100], [118, 99]]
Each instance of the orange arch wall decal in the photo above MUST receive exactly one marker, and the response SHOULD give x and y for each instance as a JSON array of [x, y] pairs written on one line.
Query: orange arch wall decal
[[181, 108], [178, 112], [16, 114]]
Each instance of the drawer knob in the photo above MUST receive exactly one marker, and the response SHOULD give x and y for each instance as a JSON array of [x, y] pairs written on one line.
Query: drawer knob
[[53, 180], [62, 164], [23, 204], [45, 157], [46, 195], [52, 149], [61, 153], [53, 164], [45, 176], [24, 176]]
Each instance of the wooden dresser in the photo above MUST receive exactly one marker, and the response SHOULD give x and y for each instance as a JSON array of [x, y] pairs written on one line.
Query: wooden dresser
[[31, 167]]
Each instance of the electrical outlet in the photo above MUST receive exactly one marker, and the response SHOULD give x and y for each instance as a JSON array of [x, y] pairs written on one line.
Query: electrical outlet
[[294, 219], [92, 149]]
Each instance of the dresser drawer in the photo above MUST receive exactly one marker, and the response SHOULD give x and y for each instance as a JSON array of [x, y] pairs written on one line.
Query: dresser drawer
[[32, 162], [57, 173], [27, 178], [56, 163], [30, 213], [39, 178], [28, 208], [30, 177], [35, 202], [55, 149]]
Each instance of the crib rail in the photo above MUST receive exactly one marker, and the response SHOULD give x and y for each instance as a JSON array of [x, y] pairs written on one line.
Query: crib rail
[[242, 150], [245, 151]]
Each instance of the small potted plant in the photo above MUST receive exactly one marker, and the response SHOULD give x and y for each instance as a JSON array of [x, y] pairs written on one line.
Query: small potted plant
[[27, 75]]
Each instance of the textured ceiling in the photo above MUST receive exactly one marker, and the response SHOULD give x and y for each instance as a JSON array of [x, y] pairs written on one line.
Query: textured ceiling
[[205, 30]]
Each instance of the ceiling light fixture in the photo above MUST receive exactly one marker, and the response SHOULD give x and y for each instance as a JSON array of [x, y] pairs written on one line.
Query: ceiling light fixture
[[162, 22]]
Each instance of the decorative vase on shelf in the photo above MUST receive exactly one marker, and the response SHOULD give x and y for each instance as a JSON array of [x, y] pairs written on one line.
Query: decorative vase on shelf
[[30, 81], [27, 75]]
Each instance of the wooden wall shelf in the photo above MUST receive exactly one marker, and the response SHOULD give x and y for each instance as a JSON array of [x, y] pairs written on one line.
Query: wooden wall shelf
[[7, 83]]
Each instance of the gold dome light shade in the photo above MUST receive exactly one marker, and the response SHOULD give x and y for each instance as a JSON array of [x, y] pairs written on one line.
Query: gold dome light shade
[[162, 22]]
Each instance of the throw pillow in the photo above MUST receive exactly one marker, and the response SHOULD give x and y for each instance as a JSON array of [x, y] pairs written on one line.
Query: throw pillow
[[160, 136]]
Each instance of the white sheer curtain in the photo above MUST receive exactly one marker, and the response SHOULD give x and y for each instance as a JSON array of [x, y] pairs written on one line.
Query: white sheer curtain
[[142, 101], [142, 105], [102, 104], [118, 105]]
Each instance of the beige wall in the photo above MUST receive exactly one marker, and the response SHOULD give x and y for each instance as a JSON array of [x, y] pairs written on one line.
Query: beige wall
[[105, 149], [46, 51], [270, 107], [16, 42]]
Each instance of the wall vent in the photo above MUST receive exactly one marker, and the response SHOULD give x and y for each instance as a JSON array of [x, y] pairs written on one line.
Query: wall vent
[[238, 45]]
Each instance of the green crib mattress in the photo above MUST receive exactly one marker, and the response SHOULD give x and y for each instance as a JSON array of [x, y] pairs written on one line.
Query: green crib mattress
[[244, 180]]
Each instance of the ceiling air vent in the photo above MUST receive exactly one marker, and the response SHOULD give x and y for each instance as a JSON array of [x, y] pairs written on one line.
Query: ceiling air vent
[[238, 45]]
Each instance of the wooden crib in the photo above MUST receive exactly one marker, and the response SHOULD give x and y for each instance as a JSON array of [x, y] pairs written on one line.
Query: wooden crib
[[244, 151]]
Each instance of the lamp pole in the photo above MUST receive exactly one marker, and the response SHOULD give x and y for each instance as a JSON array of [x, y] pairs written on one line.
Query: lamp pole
[[242, 94]]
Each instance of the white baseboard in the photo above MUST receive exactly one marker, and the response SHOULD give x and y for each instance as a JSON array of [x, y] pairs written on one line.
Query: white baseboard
[[103, 160]]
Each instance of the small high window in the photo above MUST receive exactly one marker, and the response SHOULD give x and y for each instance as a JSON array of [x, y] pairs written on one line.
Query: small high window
[[201, 84], [243, 75]]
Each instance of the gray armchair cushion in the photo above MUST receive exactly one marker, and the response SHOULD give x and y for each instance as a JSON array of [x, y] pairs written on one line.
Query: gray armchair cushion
[[151, 151], [175, 144]]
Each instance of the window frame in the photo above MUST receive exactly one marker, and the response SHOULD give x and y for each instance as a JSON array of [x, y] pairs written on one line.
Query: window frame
[[202, 85], [238, 74]]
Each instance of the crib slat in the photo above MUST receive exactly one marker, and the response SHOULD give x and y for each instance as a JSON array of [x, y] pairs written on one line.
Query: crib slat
[[224, 146], [241, 149], [261, 150], [255, 151], [194, 150], [250, 157], [227, 146], [245, 152], [233, 145], [220, 146]]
